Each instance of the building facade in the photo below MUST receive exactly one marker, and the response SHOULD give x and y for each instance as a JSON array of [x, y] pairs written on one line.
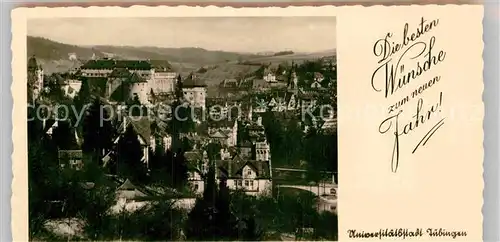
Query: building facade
[[194, 91]]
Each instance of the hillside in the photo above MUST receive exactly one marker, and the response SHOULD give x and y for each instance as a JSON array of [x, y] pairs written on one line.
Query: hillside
[[297, 57], [197, 56], [222, 64], [54, 55], [50, 50], [215, 74]]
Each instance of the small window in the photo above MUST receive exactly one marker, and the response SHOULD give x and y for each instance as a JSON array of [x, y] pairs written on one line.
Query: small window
[[249, 172], [246, 183], [239, 183], [251, 183], [196, 187]]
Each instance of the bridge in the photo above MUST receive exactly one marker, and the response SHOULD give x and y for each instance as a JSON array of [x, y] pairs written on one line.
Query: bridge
[[327, 173], [325, 192], [300, 170], [322, 189]]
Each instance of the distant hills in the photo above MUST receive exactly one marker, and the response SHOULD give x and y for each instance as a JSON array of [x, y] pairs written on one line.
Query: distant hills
[[54, 56]]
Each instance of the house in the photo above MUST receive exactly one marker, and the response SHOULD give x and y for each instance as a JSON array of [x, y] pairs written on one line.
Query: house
[[197, 163], [194, 91], [269, 76], [256, 130], [196, 180], [221, 137], [71, 87], [251, 176], [70, 158], [129, 198], [224, 132], [148, 136], [246, 149]]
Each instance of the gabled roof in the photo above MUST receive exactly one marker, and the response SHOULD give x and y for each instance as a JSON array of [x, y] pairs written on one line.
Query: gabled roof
[[233, 168], [192, 81], [127, 185], [218, 135], [141, 125], [129, 191]]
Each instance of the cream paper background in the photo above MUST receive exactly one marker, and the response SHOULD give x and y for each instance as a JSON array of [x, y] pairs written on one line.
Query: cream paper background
[[440, 186]]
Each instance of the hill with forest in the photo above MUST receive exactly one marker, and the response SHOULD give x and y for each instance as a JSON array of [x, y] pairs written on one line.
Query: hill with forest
[[54, 56], [217, 65]]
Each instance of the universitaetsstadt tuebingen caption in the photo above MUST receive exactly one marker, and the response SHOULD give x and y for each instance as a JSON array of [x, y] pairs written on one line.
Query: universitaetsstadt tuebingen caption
[[403, 233]]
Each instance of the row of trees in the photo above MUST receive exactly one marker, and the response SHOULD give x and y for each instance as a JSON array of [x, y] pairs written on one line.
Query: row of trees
[[289, 144]]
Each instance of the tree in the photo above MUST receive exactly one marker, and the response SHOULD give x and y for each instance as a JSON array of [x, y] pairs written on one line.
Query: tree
[[129, 156], [40, 169], [225, 221], [63, 136], [178, 88], [83, 96], [99, 201], [275, 136], [98, 133], [201, 223], [178, 170], [213, 151], [293, 146]]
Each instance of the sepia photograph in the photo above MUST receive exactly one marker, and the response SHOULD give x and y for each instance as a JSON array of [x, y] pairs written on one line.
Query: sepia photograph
[[182, 128]]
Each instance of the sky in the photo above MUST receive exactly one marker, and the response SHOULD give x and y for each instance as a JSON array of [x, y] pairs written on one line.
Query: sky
[[239, 34]]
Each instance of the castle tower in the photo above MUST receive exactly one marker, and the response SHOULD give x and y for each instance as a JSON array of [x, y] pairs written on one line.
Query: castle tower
[[262, 151], [35, 78]]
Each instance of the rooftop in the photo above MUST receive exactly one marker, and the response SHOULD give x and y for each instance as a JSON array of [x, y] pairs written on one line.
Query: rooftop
[[109, 64], [193, 81], [234, 168]]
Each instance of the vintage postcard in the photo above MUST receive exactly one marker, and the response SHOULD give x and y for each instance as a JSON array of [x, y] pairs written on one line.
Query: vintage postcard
[[175, 123]]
